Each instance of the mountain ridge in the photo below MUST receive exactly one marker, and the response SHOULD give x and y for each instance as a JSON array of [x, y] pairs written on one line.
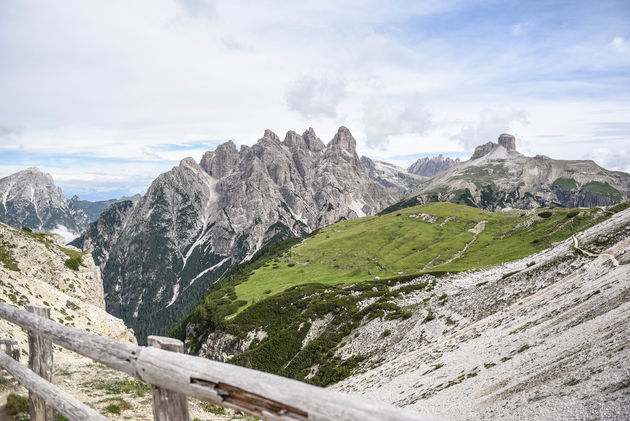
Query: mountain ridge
[[199, 219]]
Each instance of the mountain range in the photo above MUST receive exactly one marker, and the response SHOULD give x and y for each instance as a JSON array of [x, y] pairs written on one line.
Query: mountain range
[[497, 176], [159, 253]]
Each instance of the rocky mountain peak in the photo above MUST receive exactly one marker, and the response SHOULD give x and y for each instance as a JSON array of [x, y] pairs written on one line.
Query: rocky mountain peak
[[507, 141], [271, 135], [294, 141], [429, 166], [313, 142], [221, 161], [344, 140]]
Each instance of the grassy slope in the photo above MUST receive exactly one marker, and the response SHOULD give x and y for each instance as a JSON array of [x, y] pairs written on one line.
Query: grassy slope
[[290, 284], [403, 243]]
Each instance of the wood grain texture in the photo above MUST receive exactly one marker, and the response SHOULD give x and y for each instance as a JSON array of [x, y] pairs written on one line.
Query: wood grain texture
[[113, 354], [167, 404], [40, 361], [260, 394], [56, 398]]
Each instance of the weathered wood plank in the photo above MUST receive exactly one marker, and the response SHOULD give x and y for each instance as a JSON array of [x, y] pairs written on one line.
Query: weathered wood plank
[[8, 348], [65, 404], [260, 394], [40, 361], [114, 354], [167, 404]]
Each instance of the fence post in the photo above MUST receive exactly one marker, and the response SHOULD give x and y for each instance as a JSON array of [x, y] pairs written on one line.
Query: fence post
[[168, 405], [40, 361]]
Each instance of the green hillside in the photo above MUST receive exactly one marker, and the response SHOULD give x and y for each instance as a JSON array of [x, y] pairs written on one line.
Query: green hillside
[[290, 284], [413, 240]]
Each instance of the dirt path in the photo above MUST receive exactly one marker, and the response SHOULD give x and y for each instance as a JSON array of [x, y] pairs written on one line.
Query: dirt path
[[610, 256], [476, 230]]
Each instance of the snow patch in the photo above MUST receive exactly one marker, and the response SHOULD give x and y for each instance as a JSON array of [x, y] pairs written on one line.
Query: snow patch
[[357, 207]]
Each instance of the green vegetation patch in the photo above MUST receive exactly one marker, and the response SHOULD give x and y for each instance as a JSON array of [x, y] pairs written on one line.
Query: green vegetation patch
[[604, 189], [6, 257], [565, 184], [411, 241], [16, 404], [75, 258]]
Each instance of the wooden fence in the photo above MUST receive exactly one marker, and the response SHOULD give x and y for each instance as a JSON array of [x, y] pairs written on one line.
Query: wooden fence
[[173, 377]]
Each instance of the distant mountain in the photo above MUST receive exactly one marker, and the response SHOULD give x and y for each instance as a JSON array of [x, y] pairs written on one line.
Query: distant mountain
[[428, 167], [159, 255], [390, 175], [86, 211], [30, 198], [498, 176]]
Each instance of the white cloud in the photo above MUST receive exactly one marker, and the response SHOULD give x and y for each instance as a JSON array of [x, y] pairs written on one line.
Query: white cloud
[[316, 97], [619, 43], [618, 159], [384, 120], [65, 233], [491, 123], [117, 79]]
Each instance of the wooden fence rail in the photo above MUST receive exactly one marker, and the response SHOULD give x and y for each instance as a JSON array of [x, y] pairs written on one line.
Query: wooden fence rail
[[174, 375]]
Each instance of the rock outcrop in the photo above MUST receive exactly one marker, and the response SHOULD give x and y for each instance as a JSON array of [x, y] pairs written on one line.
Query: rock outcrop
[[498, 176], [160, 254], [34, 269], [428, 167]]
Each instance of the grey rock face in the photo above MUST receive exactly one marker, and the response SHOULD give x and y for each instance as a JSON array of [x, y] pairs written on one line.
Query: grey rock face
[[428, 167], [507, 141], [30, 198], [159, 255], [483, 150], [391, 176], [497, 176]]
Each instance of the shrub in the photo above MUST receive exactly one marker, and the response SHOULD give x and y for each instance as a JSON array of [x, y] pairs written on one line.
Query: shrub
[[530, 264], [572, 214], [387, 332], [430, 316], [545, 214], [16, 404], [73, 263], [507, 275], [27, 229]]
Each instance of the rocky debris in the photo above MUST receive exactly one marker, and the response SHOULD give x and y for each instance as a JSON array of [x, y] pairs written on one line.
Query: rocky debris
[[391, 176], [429, 166], [542, 337], [34, 271], [497, 177], [159, 255]]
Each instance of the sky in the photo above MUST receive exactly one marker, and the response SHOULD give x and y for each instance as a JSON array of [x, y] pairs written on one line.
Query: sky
[[107, 95]]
